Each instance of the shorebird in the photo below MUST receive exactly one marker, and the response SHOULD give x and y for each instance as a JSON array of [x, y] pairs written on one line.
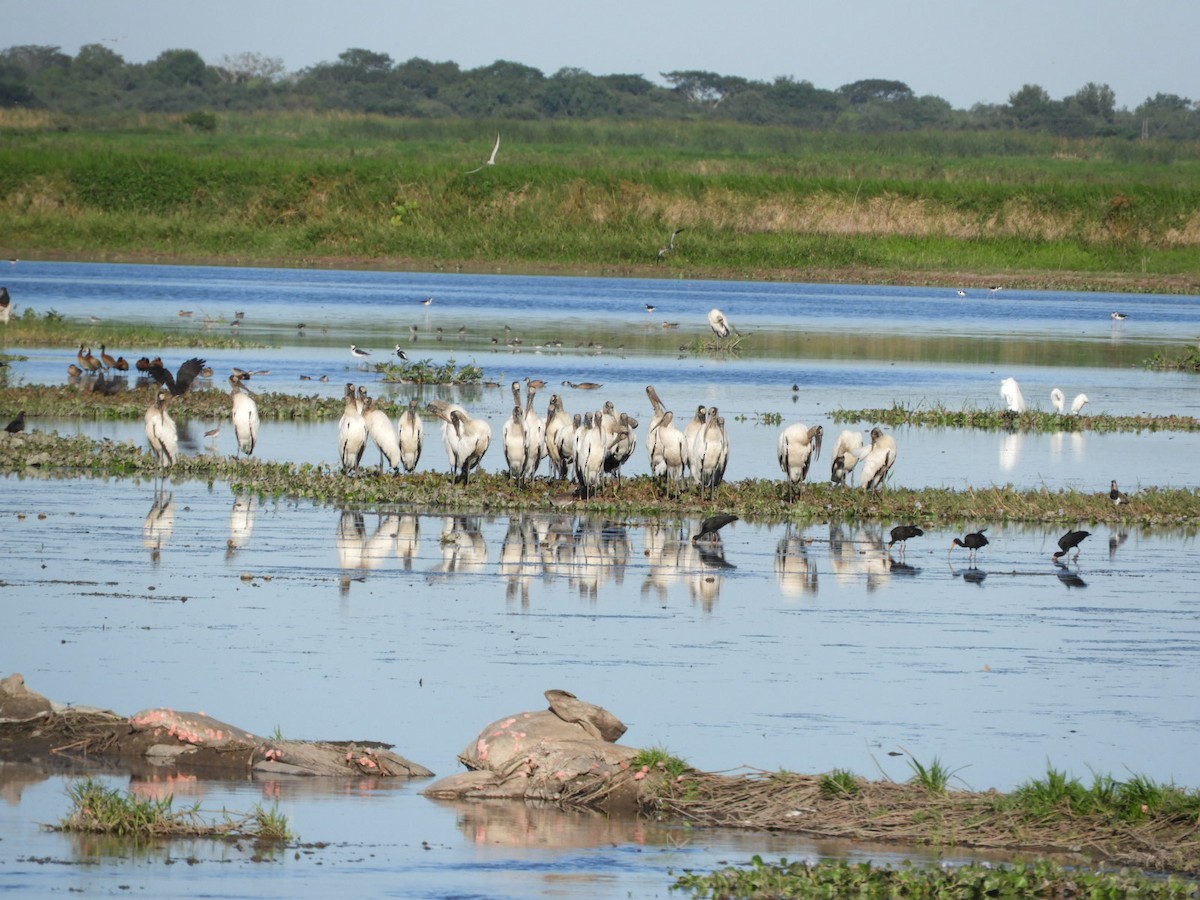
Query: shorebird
[[491, 160], [962, 293], [1119, 316], [1068, 542], [400, 353], [667, 249], [973, 542], [6, 306], [995, 288], [359, 353], [650, 307], [427, 301]]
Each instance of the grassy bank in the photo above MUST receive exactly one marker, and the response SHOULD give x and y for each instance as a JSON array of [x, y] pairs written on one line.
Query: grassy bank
[[603, 197]]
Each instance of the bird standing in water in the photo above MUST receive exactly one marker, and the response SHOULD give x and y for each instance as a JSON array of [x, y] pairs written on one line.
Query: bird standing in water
[[710, 527], [244, 416], [1068, 542], [974, 542], [900, 535]]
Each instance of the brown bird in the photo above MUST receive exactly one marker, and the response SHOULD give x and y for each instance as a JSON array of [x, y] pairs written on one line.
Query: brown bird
[[1116, 495], [106, 359]]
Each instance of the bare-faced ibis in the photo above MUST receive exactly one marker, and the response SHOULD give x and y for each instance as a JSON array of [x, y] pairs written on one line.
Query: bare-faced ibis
[[1068, 542], [973, 542]]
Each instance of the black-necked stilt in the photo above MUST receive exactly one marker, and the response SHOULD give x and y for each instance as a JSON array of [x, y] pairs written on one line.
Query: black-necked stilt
[[491, 160], [962, 293], [427, 301], [996, 288], [1119, 316], [358, 352], [400, 353], [650, 307]]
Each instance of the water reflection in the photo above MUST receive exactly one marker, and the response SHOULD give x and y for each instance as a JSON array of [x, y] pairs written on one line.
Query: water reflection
[[464, 550], [795, 572], [1070, 579], [159, 523], [1010, 450], [241, 523]]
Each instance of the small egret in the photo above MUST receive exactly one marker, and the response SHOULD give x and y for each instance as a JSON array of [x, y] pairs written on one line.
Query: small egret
[[1010, 392]]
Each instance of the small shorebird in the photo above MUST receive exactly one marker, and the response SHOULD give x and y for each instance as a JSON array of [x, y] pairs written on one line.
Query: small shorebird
[[359, 353], [400, 353], [427, 301], [1119, 316], [491, 160], [962, 293], [650, 307], [996, 288]]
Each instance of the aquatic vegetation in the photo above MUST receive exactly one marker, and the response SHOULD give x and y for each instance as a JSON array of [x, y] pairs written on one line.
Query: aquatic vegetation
[[97, 809], [934, 778], [1060, 796], [52, 329], [840, 878], [1187, 361], [426, 372], [995, 419], [839, 783], [661, 759]]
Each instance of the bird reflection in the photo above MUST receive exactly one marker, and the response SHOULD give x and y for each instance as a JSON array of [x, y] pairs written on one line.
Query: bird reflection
[[794, 570], [463, 547], [861, 553], [1010, 449], [351, 534], [1115, 540], [241, 523], [520, 558], [159, 523], [667, 554], [408, 539], [1070, 579], [970, 575]]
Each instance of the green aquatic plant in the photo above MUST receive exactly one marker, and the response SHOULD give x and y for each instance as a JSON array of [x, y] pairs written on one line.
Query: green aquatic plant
[[425, 371], [933, 778], [839, 783], [660, 759], [994, 419], [1186, 361]]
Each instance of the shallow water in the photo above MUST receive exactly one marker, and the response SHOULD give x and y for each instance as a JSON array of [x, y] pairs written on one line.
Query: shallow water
[[804, 649]]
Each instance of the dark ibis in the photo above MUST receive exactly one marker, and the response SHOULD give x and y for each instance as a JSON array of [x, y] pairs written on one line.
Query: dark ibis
[[973, 542], [710, 527], [1070, 541], [902, 533]]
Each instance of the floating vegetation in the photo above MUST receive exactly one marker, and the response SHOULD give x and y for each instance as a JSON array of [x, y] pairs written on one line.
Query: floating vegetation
[[96, 809], [426, 372], [840, 878], [993, 419], [53, 329], [638, 496], [1188, 361]]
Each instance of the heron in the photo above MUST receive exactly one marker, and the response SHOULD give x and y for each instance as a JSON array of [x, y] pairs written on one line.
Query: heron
[[846, 455], [1010, 392], [380, 430], [244, 416], [352, 433], [178, 383], [719, 324], [663, 252], [491, 160], [798, 448], [411, 435], [1068, 542], [974, 541], [879, 460], [900, 535], [161, 431]]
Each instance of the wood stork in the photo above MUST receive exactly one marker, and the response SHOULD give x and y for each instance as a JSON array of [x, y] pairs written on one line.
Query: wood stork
[[244, 416], [535, 432], [671, 443], [719, 324], [411, 435], [380, 430], [846, 455], [710, 453], [470, 439], [690, 431], [589, 454], [798, 448], [179, 383], [352, 433], [560, 438], [161, 431], [879, 460], [515, 448]]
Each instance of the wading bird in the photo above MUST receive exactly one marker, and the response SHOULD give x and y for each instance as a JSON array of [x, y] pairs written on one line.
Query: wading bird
[[472, 437], [161, 431], [846, 455], [560, 438], [106, 359], [380, 430], [6, 306], [710, 527], [358, 353], [491, 161], [1119, 316], [879, 460], [900, 535], [663, 252], [710, 454], [973, 542], [1010, 392], [670, 440], [1116, 495], [352, 433], [798, 448], [182, 380], [400, 353], [411, 434], [515, 449], [1068, 542], [719, 324], [1058, 400], [244, 416]]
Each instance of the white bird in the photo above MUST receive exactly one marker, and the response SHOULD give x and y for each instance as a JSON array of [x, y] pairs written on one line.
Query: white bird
[[690, 432], [535, 433], [352, 433], [589, 454], [671, 444], [1058, 400], [358, 352], [560, 437], [962, 293], [411, 434], [718, 323], [710, 453], [245, 417], [400, 353], [798, 448], [491, 161], [1119, 316], [161, 431], [6, 306], [664, 251], [379, 428], [1010, 391], [846, 455], [467, 440], [879, 460], [1080, 401], [513, 437]]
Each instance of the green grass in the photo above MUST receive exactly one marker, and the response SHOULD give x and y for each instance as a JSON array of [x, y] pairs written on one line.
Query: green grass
[[96, 809], [934, 778], [425, 371], [995, 419], [761, 880], [839, 783], [1061, 796], [29, 328], [662, 760]]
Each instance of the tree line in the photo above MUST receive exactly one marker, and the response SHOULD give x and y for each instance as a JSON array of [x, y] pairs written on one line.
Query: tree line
[[99, 80]]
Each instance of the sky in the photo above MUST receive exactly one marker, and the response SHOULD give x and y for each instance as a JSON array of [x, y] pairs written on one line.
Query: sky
[[964, 52]]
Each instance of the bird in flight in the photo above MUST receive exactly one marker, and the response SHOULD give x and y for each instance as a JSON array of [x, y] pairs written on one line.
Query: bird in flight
[[670, 244], [491, 161]]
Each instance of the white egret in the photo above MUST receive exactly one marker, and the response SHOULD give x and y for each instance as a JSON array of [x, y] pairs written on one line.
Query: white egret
[[1010, 391]]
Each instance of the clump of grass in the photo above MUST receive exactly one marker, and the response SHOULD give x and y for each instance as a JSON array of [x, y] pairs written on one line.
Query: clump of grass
[[995, 419], [1187, 361], [426, 372], [96, 809], [840, 783], [934, 778], [1058, 795], [840, 878], [661, 759]]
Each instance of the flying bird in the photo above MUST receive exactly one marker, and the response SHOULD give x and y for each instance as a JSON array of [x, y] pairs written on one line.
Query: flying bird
[[665, 250], [1068, 542], [491, 161], [182, 380]]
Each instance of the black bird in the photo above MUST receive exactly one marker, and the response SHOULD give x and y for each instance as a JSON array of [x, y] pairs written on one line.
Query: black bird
[[182, 380], [1116, 495], [17, 424], [973, 542], [710, 526], [902, 533], [1068, 542]]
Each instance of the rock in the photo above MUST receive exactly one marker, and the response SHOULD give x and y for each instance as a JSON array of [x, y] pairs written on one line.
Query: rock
[[18, 703]]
